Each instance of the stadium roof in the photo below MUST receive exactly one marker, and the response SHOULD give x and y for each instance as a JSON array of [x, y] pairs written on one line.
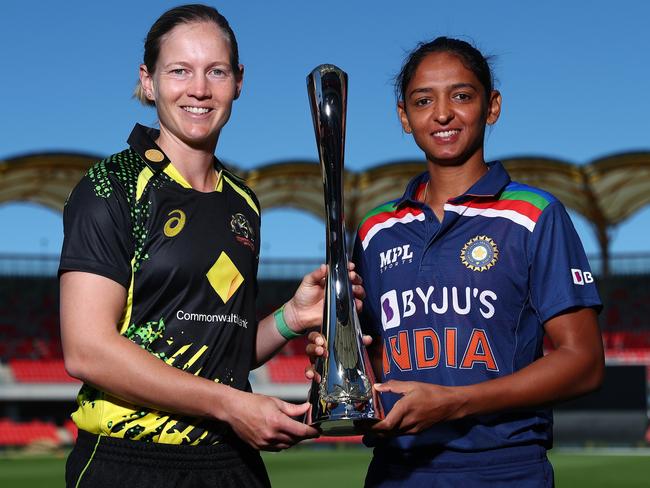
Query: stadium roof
[[605, 191], [44, 178]]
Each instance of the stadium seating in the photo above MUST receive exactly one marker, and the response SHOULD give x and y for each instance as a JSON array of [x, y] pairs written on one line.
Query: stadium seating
[[626, 301], [24, 433], [29, 325], [39, 371], [625, 339], [287, 369]]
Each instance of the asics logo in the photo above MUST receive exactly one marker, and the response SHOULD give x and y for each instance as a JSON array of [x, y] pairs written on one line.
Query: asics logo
[[175, 223]]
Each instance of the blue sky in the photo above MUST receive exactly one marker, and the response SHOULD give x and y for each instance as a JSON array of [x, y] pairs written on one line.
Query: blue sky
[[574, 78]]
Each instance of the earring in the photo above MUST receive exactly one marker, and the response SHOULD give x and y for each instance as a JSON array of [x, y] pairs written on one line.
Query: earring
[[149, 94]]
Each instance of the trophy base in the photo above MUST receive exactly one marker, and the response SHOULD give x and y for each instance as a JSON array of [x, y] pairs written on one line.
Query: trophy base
[[345, 427]]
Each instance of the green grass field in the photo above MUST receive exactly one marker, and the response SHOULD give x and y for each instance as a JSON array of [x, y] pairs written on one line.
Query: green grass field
[[345, 467]]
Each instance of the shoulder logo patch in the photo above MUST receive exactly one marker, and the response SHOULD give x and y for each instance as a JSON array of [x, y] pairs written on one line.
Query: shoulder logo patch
[[243, 230], [175, 224], [480, 253]]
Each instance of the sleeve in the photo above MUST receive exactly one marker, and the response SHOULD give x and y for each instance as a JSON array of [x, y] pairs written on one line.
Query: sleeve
[[97, 235], [367, 318], [560, 275]]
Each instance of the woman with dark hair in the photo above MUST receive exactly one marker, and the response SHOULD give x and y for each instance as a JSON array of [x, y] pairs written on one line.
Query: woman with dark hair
[[464, 276], [158, 284]]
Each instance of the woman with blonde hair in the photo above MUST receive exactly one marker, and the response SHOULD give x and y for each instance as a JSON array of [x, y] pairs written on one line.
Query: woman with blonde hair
[[158, 285]]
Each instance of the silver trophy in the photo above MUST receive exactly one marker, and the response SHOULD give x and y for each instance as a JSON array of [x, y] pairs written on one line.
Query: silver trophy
[[343, 402]]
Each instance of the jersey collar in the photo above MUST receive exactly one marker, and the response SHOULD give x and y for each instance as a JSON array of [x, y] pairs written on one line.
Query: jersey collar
[[489, 185], [143, 141]]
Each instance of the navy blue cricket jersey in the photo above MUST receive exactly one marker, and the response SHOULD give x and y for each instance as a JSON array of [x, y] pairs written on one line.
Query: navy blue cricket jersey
[[464, 300]]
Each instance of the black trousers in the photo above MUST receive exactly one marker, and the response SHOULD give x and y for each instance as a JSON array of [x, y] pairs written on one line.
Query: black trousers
[[100, 461]]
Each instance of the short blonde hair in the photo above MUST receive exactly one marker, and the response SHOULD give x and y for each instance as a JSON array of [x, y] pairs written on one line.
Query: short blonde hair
[[140, 95]]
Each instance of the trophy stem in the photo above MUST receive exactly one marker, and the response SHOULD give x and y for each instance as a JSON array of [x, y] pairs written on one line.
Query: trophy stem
[[344, 403]]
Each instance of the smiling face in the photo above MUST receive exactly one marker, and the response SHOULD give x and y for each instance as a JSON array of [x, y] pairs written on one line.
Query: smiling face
[[446, 109], [193, 85]]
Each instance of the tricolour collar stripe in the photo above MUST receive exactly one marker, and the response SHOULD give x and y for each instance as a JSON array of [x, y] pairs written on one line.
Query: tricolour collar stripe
[[520, 206], [385, 208], [516, 186], [381, 214], [511, 215], [525, 196], [410, 216]]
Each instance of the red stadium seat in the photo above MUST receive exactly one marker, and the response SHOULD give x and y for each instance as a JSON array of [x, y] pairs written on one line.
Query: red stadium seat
[[33, 371], [287, 369], [626, 340], [24, 433]]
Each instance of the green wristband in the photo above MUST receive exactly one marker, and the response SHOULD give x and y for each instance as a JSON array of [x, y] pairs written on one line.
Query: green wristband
[[282, 326]]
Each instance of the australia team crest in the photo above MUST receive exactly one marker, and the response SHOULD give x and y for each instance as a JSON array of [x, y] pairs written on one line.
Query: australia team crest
[[243, 230], [480, 253]]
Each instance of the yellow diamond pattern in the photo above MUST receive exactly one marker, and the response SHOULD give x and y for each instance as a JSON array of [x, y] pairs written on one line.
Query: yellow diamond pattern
[[224, 277]]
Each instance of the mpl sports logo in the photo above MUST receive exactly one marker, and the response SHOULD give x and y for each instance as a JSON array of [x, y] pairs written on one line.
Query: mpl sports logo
[[581, 277], [395, 257]]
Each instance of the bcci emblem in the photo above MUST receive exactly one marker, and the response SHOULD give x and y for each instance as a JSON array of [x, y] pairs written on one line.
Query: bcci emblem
[[479, 254], [242, 230]]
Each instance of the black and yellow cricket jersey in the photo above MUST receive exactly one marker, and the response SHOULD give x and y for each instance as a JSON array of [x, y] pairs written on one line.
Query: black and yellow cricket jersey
[[189, 262]]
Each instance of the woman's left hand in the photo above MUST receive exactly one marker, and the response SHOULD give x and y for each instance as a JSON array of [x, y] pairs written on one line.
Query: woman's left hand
[[305, 309], [420, 406]]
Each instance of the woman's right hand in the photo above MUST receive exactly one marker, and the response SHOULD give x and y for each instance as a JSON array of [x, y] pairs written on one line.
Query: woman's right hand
[[317, 347], [265, 422]]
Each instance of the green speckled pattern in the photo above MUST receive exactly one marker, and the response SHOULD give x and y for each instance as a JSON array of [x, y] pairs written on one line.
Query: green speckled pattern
[[125, 167]]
